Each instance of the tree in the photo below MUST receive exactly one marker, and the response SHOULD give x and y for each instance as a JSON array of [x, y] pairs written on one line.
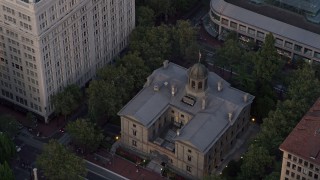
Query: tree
[[59, 163], [136, 68], [267, 62], [9, 125], [6, 172], [145, 16], [184, 35], [162, 8], [250, 169], [67, 101], [304, 85], [229, 54], [7, 148], [152, 44], [85, 134], [31, 120]]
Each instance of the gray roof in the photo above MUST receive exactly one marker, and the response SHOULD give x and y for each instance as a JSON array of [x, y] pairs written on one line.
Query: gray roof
[[207, 125], [266, 23]]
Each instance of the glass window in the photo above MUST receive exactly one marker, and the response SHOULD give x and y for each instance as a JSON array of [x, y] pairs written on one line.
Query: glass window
[[215, 16], [199, 85], [225, 22], [316, 55], [288, 44], [242, 28], [189, 169], [279, 41], [233, 25], [307, 51], [251, 31], [260, 34], [297, 48]]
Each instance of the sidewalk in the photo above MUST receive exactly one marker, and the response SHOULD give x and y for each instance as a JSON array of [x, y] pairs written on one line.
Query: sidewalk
[[123, 167], [46, 130]]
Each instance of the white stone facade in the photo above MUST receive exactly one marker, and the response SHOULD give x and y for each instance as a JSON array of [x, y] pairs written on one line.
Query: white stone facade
[[48, 44]]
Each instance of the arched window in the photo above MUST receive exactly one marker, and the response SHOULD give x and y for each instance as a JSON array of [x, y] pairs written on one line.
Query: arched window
[[200, 85], [193, 84]]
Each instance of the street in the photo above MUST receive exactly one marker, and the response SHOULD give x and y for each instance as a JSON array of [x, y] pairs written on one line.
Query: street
[[31, 148]]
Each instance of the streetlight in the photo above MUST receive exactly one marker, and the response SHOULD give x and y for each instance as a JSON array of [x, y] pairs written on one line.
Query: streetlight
[[117, 137], [253, 119]]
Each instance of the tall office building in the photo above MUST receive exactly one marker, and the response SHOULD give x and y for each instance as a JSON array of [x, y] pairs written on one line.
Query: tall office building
[[301, 158], [48, 44]]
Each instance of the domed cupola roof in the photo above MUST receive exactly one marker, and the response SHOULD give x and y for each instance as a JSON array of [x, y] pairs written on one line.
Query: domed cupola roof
[[198, 71]]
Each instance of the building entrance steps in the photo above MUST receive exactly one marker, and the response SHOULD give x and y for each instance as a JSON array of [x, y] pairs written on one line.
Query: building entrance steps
[[154, 166]]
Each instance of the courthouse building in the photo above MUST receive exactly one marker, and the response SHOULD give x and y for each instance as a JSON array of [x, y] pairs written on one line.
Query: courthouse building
[[46, 45], [186, 118], [301, 158]]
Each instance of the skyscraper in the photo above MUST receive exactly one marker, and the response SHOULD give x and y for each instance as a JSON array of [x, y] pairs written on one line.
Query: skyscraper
[[48, 44]]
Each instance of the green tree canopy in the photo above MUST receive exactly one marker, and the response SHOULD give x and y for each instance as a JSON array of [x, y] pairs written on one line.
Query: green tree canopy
[[145, 16], [304, 85], [184, 36], [229, 54], [267, 62], [255, 164], [152, 44], [7, 148], [68, 100], [85, 134], [5, 171], [136, 68], [9, 125], [58, 163]]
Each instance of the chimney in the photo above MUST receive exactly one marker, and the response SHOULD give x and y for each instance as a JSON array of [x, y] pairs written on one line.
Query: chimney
[[173, 89], [245, 97], [219, 86], [149, 81], [156, 87], [35, 174], [203, 103], [230, 116], [178, 132], [165, 64]]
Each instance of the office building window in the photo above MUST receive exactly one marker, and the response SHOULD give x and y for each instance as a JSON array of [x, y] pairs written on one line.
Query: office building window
[[134, 132]]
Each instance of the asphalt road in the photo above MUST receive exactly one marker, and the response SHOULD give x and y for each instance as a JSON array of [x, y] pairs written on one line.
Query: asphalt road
[[102, 172]]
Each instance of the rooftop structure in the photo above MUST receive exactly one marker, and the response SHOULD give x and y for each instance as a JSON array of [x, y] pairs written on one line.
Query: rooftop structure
[[296, 38], [192, 108], [301, 157]]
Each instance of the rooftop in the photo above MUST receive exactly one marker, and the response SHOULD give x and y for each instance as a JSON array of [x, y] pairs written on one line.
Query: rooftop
[[279, 14], [304, 140], [240, 10], [155, 98]]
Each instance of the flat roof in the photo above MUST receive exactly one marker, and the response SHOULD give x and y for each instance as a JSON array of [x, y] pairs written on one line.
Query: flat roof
[[207, 125], [279, 14], [304, 139], [271, 19]]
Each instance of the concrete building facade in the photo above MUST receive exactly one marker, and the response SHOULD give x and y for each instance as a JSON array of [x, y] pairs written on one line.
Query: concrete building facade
[[186, 118], [295, 36], [301, 158], [48, 44]]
